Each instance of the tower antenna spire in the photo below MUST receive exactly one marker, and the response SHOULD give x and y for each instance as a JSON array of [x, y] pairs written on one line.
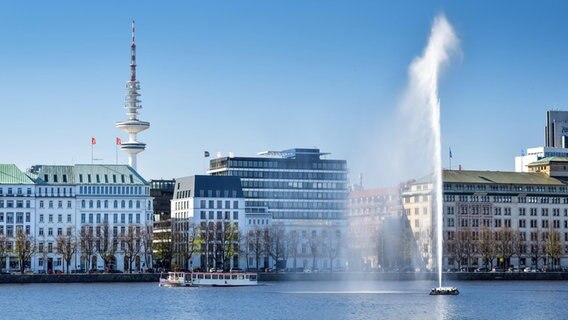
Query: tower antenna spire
[[132, 126], [133, 56]]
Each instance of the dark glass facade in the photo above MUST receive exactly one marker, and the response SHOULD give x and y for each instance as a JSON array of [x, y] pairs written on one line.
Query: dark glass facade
[[290, 184]]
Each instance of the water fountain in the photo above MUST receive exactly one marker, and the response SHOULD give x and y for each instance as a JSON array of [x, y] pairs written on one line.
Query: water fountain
[[423, 93]]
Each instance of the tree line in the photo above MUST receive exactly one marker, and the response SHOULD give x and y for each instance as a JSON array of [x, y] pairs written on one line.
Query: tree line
[[102, 240], [495, 248]]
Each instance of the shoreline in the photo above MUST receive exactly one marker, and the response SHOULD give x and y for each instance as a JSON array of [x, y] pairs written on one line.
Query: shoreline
[[297, 276]]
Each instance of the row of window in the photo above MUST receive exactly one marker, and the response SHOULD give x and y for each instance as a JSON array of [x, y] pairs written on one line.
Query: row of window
[[10, 230], [504, 187], [98, 178], [497, 211], [15, 204], [210, 204], [19, 191], [55, 192], [280, 164], [295, 195], [499, 223], [104, 218], [50, 204], [18, 215], [105, 204], [50, 231], [307, 215], [113, 190], [272, 184], [328, 205], [290, 175]]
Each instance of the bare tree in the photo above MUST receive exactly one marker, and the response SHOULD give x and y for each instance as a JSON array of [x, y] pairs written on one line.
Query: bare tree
[[255, 242], [66, 245], [452, 248], [188, 242], [230, 242], [131, 241], [536, 246], [24, 248], [466, 246], [487, 246], [554, 247], [147, 246], [87, 245], [332, 244], [106, 245], [314, 243], [3, 250], [505, 244], [292, 242], [276, 243]]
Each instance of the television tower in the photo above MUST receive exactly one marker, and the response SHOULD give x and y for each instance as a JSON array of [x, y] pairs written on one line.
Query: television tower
[[132, 126]]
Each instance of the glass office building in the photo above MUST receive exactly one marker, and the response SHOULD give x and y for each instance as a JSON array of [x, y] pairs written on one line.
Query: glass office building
[[295, 184]]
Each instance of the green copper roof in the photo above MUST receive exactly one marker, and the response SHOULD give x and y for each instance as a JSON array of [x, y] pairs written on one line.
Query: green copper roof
[[499, 177], [86, 174], [10, 174], [549, 160]]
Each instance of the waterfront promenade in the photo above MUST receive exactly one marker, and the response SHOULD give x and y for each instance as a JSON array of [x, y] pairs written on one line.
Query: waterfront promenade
[[296, 276]]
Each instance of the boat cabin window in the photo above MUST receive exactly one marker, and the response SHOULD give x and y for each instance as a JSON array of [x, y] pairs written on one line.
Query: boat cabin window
[[200, 276], [215, 276], [234, 276], [208, 276]]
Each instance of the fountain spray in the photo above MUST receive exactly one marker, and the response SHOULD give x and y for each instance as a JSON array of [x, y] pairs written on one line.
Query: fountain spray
[[424, 73]]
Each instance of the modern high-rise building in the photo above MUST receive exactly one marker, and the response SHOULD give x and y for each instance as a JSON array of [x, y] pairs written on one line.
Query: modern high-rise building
[[556, 129], [555, 143], [132, 125], [302, 192]]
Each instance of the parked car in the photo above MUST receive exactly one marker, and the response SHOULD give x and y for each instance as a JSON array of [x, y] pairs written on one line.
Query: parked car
[[482, 269], [236, 270]]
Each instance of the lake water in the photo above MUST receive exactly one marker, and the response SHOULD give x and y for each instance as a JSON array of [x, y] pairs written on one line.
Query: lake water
[[287, 300]]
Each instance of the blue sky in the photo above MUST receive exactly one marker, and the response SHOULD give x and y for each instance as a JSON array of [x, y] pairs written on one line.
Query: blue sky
[[249, 76]]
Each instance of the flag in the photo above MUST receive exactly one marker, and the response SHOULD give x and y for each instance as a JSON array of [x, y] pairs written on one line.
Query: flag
[[118, 141], [450, 152], [93, 140], [206, 154]]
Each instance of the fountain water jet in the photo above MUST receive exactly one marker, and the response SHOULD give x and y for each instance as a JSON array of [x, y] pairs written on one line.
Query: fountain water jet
[[423, 90]]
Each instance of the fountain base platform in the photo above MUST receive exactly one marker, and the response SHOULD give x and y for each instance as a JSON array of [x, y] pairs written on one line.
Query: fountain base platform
[[444, 291]]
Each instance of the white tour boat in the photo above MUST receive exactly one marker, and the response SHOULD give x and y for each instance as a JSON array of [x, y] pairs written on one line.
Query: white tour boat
[[209, 279], [175, 279]]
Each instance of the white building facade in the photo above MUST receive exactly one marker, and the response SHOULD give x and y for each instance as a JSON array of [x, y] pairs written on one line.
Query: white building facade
[[107, 202], [208, 223], [495, 220]]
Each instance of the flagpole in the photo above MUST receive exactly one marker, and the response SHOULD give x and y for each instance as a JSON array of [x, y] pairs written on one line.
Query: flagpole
[[92, 151], [450, 159]]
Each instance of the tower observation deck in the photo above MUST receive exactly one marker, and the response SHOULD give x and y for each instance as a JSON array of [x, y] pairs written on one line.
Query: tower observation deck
[[132, 126]]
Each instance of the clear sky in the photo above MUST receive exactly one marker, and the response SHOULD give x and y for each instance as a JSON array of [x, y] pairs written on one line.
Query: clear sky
[[248, 76]]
